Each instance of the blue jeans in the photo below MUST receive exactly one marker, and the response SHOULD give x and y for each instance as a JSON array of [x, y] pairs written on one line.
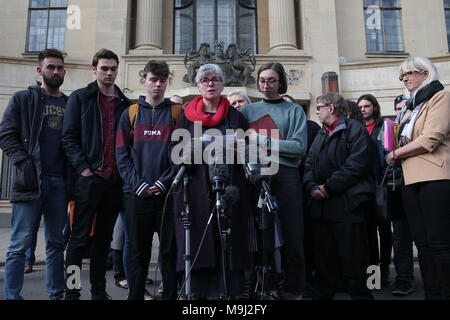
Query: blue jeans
[[25, 217], [30, 258]]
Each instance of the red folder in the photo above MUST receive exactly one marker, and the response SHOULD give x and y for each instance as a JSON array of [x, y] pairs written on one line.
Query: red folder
[[266, 123]]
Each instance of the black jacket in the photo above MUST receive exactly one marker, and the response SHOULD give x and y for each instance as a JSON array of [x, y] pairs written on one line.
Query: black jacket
[[201, 203], [351, 182], [82, 135], [20, 130]]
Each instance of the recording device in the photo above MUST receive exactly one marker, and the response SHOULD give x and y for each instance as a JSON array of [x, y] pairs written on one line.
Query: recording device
[[253, 171]]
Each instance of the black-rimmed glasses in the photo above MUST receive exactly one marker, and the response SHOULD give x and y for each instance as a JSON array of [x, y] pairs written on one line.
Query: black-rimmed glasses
[[205, 81], [409, 74]]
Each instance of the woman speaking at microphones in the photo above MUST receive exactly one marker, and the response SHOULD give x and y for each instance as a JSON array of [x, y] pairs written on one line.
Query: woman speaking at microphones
[[212, 111], [289, 121]]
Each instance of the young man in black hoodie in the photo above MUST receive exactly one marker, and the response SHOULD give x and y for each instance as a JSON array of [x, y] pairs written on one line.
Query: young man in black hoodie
[[143, 138], [30, 134]]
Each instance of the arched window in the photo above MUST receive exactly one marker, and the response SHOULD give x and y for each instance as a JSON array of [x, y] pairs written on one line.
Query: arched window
[[205, 21]]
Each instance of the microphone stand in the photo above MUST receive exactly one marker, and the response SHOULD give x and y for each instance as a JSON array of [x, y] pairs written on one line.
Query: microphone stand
[[224, 233], [268, 205], [186, 218]]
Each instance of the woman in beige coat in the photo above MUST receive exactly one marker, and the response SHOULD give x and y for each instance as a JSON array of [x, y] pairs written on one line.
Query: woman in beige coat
[[424, 154]]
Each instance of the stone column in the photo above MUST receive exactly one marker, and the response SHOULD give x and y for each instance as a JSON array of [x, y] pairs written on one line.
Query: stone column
[[282, 25], [149, 25]]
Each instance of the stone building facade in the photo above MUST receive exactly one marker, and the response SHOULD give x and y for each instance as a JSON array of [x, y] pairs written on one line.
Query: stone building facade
[[361, 41]]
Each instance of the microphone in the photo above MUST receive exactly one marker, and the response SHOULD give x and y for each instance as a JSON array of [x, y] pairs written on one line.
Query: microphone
[[179, 175], [253, 171], [219, 175]]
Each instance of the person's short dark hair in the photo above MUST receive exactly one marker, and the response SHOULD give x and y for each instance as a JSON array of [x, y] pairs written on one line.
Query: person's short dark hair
[[338, 101], [158, 68], [50, 53], [376, 106], [399, 99], [278, 68], [104, 54], [354, 111]]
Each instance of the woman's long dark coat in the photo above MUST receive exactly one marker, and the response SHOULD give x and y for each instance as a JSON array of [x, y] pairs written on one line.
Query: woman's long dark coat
[[201, 207]]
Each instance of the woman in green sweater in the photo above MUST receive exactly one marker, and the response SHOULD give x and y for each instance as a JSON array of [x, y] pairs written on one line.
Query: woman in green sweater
[[290, 120]]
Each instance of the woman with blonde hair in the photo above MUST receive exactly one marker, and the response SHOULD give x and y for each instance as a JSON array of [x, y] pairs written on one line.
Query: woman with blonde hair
[[424, 154]]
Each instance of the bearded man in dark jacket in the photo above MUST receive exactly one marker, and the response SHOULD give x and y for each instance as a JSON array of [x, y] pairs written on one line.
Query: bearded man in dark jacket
[[30, 135], [338, 179]]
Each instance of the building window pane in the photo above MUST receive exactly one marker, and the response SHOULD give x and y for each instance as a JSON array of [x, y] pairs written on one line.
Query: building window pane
[[226, 31], [208, 21], [393, 30], [447, 20], [47, 25], [39, 4], [205, 22], [184, 30], [37, 32], [383, 25]]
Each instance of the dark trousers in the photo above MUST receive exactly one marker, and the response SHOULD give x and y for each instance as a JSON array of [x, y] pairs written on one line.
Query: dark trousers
[[427, 207], [118, 266], [287, 189], [94, 196], [143, 217], [403, 252], [380, 254], [340, 251]]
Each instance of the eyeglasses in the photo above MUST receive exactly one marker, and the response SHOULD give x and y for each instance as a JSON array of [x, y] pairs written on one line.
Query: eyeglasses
[[205, 81], [409, 74], [269, 82], [319, 106]]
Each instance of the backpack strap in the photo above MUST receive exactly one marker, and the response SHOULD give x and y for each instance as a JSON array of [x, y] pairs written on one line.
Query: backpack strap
[[132, 114], [176, 111], [134, 109]]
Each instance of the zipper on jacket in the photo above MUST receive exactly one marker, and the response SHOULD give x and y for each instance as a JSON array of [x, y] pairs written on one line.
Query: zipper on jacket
[[153, 116], [101, 125], [40, 130]]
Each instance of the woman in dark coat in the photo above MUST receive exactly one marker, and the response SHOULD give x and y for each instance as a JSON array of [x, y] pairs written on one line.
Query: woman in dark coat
[[213, 111]]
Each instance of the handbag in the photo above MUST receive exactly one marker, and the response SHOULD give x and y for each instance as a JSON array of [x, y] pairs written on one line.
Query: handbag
[[381, 200]]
